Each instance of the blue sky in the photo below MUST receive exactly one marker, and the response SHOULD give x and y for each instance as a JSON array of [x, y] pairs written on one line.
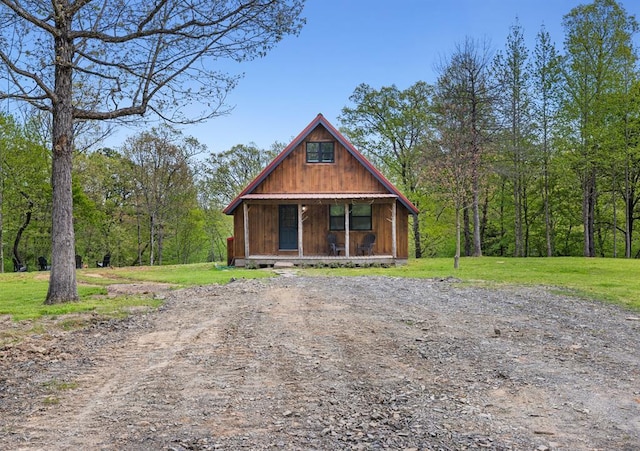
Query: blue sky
[[348, 42]]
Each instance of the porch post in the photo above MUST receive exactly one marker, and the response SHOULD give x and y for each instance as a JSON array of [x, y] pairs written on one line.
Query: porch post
[[346, 230], [394, 218], [300, 234], [245, 211]]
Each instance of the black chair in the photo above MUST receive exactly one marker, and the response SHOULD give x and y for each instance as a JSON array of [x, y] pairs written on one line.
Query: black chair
[[366, 247], [78, 262], [42, 264], [105, 263], [334, 247]]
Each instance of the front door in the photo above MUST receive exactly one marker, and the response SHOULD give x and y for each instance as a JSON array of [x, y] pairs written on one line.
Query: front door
[[288, 227]]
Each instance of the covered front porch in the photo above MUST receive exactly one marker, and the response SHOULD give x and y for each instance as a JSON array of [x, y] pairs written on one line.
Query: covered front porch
[[294, 229]]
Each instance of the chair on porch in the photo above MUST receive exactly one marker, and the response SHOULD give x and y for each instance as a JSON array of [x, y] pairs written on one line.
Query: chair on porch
[[366, 247], [334, 247]]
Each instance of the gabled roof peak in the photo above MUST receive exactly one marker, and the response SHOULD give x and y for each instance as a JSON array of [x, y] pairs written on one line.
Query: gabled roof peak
[[320, 120]]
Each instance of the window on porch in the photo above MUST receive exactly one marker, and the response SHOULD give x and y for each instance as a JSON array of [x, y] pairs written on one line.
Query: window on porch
[[359, 217], [336, 217]]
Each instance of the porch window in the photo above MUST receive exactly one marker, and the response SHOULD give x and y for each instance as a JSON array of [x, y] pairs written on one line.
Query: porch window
[[359, 217], [336, 217], [320, 152]]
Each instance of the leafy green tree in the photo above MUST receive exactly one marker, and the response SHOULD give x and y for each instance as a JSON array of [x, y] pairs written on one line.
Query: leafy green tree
[[24, 191], [223, 177], [631, 186], [103, 207], [598, 49], [513, 106], [546, 80], [566, 200], [465, 81], [226, 174], [450, 165], [163, 177], [621, 141], [394, 127], [189, 243], [82, 61]]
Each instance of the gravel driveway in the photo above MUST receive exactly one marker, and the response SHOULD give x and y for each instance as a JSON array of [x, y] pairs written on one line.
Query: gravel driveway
[[304, 363]]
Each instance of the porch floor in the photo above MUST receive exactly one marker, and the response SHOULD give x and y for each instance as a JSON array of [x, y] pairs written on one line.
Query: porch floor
[[311, 260]]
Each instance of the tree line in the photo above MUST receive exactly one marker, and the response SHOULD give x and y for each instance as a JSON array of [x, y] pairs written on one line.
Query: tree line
[[521, 152], [84, 64], [157, 199]]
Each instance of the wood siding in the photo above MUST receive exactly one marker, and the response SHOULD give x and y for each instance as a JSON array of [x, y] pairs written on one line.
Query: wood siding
[[346, 177], [263, 231], [238, 234], [295, 175]]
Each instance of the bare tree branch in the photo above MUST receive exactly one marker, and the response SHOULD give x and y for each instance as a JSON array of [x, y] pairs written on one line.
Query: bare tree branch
[[88, 61]]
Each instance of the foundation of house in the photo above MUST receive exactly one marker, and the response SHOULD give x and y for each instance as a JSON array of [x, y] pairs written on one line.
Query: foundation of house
[[267, 261]]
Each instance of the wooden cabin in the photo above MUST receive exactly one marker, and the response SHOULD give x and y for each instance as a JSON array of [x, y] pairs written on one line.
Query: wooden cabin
[[320, 190]]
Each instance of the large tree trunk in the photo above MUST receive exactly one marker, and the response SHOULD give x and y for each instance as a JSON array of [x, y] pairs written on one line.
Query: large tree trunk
[[62, 282]]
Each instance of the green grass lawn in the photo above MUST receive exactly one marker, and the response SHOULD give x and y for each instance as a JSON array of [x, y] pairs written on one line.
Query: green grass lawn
[[179, 275], [22, 294], [610, 280]]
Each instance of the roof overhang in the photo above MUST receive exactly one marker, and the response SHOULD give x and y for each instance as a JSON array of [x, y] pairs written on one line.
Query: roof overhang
[[319, 197]]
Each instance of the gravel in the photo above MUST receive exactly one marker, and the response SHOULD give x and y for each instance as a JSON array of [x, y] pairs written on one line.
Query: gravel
[[330, 363]]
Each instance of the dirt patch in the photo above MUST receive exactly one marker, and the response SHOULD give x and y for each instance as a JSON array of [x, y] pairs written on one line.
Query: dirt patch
[[143, 288], [333, 363]]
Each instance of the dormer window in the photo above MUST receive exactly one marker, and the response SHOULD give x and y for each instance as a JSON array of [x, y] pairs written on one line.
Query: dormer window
[[320, 152]]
